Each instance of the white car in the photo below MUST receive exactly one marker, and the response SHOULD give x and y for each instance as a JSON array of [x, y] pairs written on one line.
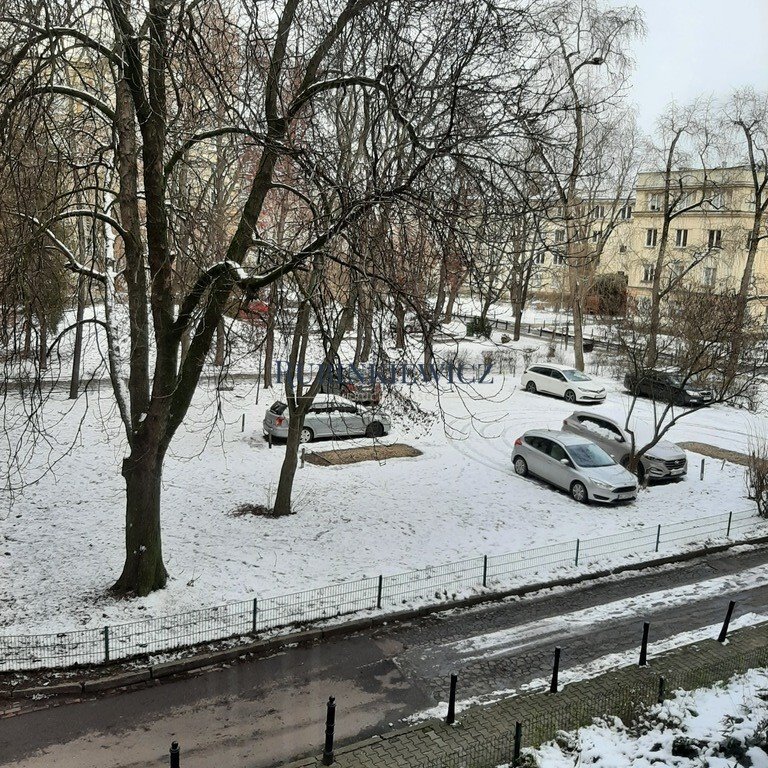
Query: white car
[[562, 381]]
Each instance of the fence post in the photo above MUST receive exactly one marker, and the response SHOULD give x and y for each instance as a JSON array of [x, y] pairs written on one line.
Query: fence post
[[555, 671], [658, 537], [451, 716], [518, 743], [106, 643], [578, 544], [242, 426], [485, 570], [330, 724], [254, 611], [269, 438], [701, 474], [724, 630], [379, 590], [174, 754], [730, 519], [644, 645], [660, 696]]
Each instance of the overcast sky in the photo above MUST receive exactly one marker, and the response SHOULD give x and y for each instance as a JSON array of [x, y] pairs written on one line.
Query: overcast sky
[[698, 47]]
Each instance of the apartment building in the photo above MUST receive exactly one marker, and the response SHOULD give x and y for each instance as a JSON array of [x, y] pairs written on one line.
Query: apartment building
[[710, 223]]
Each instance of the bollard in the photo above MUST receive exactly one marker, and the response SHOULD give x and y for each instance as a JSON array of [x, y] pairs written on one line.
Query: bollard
[[724, 630], [254, 614], [106, 643], [578, 544], [730, 520], [555, 671], [303, 451], [701, 474], [518, 743], [379, 590], [242, 427], [660, 696], [485, 570], [644, 645], [174, 753], [330, 724], [451, 716], [658, 536], [269, 437]]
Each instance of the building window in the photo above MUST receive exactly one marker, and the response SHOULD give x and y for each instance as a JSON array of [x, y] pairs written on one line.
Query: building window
[[651, 236], [622, 249], [710, 276], [558, 259], [654, 202], [598, 212], [560, 236], [649, 272], [596, 236], [536, 280], [718, 201], [625, 213], [538, 257], [681, 238], [715, 238], [676, 269], [559, 211]]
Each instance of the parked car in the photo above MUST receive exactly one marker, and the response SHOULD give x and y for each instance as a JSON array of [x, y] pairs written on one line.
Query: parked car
[[329, 416], [564, 381], [574, 464], [668, 385], [340, 383], [254, 311], [663, 461]]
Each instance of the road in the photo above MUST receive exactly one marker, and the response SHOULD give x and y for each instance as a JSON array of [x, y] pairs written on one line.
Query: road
[[264, 712]]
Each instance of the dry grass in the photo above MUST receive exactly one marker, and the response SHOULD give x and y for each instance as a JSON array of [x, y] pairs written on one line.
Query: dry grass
[[355, 455], [705, 449]]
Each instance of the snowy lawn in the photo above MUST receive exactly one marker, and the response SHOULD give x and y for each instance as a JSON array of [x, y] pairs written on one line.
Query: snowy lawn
[[61, 538], [719, 727]]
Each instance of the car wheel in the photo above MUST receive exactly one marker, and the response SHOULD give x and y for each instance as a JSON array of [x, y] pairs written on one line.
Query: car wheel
[[569, 396], [579, 492], [520, 465], [374, 429], [306, 435], [530, 387]]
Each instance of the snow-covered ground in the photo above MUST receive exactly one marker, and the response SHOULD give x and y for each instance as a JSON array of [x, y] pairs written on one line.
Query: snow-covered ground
[[719, 727], [61, 537]]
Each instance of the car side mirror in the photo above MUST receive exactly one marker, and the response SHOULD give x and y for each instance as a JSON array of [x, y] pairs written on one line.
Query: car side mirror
[[619, 439], [566, 462]]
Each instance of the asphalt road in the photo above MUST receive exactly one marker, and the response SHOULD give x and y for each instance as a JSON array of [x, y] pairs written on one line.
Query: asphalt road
[[264, 712]]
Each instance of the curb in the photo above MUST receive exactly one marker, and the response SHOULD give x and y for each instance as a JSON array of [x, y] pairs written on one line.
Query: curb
[[261, 648]]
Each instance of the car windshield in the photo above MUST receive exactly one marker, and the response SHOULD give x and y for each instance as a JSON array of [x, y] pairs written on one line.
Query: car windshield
[[589, 455], [574, 375]]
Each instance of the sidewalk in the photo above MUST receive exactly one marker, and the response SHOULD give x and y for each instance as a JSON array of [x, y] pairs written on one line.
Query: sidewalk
[[484, 735]]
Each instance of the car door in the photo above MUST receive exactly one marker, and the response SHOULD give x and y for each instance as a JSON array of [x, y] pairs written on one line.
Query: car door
[[558, 474], [318, 420], [536, 454], [540, 377], [557, 383], [347, 420]]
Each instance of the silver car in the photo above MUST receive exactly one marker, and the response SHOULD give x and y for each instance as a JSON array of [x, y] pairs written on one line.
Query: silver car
[[329, 416], [664, 460], [574, 464]]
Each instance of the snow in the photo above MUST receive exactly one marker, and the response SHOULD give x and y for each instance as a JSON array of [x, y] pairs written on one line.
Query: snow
[[61, 537], [732, 714]]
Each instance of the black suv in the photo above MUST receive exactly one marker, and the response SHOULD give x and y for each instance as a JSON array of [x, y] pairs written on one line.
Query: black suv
[[666, 384]]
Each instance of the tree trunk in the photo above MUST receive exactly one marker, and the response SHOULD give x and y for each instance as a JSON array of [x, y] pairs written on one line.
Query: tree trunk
[[290, 462], [269, 340], [367, 317], [399, 325], [74, 381], [453, 293], [27, 331], [143, 571], [42, 351], [578, 332], [220, 333]]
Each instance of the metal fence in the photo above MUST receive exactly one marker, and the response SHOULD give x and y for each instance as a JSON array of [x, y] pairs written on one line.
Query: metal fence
[[629, 703], [436, 584]]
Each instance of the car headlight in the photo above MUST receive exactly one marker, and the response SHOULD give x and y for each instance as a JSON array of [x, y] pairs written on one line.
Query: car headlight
[[600, 483], [692, 392]]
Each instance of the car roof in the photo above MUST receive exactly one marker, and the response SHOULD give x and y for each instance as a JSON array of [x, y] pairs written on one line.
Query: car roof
[[566, 438], [327, 399], [556, 366]]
